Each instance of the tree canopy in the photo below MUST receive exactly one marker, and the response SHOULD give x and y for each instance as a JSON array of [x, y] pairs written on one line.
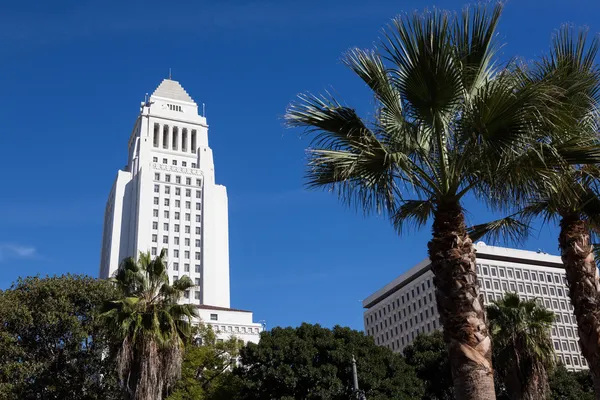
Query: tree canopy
[[206, 368], [569, 385], [312, 362], [427, 354], [52, 340]]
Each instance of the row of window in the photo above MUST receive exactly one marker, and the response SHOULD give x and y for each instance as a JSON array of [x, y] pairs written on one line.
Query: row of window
[[188, 204], [175, 107], [169, 138], [174, 162], [177, 216], [566, 346], [566, 359], [492, 270], [188, 193], [177, 213], [176, 240], [525, 288], [561, 331], [186, 268], [188, 181], [234, 329], [197, 255], [176, 227]]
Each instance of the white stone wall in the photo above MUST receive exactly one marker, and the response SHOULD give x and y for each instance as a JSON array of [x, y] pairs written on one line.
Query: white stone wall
[[406, 307], [227, 323]]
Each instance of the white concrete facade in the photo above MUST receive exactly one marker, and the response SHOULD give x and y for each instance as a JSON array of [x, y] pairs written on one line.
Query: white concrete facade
[[167, 198], [406, 307]]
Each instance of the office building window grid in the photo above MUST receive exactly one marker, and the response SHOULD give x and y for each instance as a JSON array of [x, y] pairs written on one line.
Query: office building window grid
[[396, 320], [172, 240]]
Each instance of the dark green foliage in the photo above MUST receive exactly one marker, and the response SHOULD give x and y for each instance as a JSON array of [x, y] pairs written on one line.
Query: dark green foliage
[[149, 325], [51, 340], [205, 372], [427, 354], [312, 362], [568, 385], [523, 351]]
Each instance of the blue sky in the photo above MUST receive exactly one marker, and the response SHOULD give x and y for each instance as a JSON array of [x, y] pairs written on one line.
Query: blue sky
[[73, 74]]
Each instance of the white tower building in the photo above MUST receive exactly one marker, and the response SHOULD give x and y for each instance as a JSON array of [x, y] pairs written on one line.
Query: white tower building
[[166, 198]]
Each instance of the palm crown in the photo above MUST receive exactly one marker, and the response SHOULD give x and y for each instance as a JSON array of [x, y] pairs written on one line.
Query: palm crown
[[149, 324], [449, 121], [570, 66], [522, 345]]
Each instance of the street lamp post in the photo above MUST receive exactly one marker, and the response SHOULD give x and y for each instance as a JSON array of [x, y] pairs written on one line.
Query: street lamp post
[[356, 392]]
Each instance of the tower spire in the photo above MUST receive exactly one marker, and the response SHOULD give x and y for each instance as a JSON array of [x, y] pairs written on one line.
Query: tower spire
[[170, 74]]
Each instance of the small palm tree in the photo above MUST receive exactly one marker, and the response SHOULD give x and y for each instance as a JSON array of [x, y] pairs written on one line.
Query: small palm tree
[[450, 121], [523, 351], [149, 325], [572, 196]]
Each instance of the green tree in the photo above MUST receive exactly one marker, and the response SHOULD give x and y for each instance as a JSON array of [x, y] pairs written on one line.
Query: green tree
[[449, 121], [149, 326], [569, 385], [207, 366], [573, 196], [311, 362], [523, 351], [427, 354], [52, 340]]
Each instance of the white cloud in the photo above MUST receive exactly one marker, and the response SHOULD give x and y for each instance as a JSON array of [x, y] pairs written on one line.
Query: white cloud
[[10, 250]]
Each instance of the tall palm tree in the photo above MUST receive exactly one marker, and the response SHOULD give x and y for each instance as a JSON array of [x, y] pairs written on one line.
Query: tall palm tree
[[572, 196], [449, 121], [149, 325], [523, 351]]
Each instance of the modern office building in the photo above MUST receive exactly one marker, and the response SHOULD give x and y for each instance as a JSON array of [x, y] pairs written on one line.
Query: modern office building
[[398, 312], [167, 198]]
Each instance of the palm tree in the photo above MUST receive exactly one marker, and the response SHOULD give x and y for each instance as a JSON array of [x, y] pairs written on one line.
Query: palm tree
[[149, 325], [523, 351], [449, 122], [573, 196]]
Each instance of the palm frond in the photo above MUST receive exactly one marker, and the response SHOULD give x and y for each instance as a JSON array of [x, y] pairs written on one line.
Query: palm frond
[[521, 334], [427, 73], [414, 213], [510, 229], [368, 65], [474, 40]]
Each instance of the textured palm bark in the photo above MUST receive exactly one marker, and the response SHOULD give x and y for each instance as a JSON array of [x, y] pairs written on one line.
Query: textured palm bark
[[584, 288], [461, 311]]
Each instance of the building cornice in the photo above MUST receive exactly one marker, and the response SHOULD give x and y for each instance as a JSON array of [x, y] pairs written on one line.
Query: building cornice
[[484, 252]]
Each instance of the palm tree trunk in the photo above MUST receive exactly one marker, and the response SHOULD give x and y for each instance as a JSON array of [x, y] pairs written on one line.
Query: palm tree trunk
[[584, 288], [462, 315]]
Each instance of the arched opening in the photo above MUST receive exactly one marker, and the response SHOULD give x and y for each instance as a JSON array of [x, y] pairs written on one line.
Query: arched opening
[[193, 141], [175, 138], [184, 133], [166, 137], [156, 133]]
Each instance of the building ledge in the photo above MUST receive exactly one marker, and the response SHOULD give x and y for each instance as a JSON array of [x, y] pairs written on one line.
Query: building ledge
[[215, 308]]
